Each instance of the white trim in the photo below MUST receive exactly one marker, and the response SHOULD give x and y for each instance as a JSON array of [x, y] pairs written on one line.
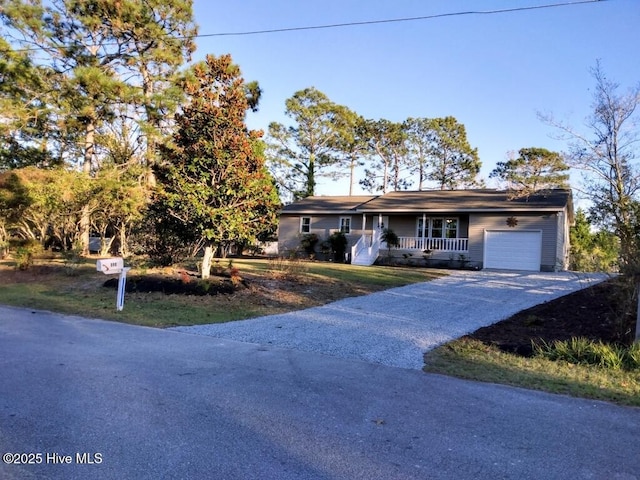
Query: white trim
[[427, 233], [346, 231], [301, 223]]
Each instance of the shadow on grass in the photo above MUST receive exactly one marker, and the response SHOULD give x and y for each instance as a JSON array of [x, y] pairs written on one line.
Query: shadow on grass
[[472, 360]]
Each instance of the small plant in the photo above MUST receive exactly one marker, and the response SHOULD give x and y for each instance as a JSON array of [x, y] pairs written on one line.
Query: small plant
[[234, 275], [580, 350], [533, 320], [280, 267], [185, 278], [72, 258], [391, 239], [308, 243], [25, 252], [632, 359]]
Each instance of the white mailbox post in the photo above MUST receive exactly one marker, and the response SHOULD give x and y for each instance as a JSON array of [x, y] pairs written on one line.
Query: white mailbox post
[[112, 266]]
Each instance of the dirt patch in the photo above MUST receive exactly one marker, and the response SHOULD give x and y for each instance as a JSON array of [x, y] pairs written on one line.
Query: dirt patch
[[602, 312]]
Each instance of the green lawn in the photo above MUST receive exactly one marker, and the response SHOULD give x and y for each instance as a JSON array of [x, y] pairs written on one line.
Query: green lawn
[[273, 287]]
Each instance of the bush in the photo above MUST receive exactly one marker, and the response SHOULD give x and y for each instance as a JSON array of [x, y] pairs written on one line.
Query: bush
[[283, 268], [338, 242], [308, 243], [24, 252], [72, 258]]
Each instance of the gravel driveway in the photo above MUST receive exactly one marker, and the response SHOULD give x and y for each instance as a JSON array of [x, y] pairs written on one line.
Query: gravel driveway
[[395, 327]]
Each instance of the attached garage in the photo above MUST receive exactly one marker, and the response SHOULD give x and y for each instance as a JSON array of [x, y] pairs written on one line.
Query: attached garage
[[513, 250]]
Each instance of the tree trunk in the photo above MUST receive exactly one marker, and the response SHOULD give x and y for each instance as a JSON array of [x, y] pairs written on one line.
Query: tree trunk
[[85, 219], [124, 250], [206, 262]]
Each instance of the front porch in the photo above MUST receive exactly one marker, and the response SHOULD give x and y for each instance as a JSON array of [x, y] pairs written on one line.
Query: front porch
[[369, 245], [433, 245]]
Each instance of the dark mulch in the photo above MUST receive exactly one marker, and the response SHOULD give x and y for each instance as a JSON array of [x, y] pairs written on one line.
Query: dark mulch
[[605, 312], [175, 286]]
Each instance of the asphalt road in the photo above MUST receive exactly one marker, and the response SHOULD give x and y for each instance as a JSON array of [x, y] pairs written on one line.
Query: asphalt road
[[134, 402]]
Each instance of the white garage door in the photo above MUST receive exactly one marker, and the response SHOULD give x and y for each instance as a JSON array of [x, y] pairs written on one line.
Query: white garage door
[[512, 250]]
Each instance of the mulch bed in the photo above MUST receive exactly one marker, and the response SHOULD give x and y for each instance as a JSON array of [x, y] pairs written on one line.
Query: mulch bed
[[605, 312], [175, 286]]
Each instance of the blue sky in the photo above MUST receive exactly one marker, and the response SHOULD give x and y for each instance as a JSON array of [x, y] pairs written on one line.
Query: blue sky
[[492, 72]]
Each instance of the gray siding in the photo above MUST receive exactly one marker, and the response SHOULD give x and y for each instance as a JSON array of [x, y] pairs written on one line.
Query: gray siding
[[547, 223], [563, 244], [322, 225]]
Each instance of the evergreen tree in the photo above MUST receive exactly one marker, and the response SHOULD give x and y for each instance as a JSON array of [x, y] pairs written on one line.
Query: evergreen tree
[[213, 180], [534, 170], [452, 162], [299, 153]]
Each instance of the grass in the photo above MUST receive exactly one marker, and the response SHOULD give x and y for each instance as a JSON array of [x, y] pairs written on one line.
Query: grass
[[273, 287], [279, 286], [473, 360]]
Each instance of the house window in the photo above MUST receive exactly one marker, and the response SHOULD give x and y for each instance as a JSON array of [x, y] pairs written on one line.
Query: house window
[[305, 224], [451, 227], [438, 228], [345, 225]]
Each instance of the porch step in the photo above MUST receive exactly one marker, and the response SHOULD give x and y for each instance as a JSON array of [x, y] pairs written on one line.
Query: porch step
[[365, 260]]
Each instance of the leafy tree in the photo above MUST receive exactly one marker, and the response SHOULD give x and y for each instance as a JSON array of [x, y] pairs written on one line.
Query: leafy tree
[[386, 145], [118, 203], [214, 183], [301, 152], [44, 205], [106, 64], [592, 251], [534, 170], [452, 162]]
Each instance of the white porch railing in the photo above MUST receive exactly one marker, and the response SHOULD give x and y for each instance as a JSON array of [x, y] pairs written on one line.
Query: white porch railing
[[434, 244]]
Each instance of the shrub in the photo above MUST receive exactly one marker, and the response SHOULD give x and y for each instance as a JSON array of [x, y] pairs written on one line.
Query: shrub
[[338, 242], [24, 252], [280, 267], [308, 243], [72, 258], [579, 350]]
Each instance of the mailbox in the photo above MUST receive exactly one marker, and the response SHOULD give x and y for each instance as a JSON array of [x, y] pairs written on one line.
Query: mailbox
[[110, 266]]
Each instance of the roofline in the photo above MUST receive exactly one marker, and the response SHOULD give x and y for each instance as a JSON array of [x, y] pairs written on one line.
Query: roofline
[[322, 212], [426, 210], [468, 210]]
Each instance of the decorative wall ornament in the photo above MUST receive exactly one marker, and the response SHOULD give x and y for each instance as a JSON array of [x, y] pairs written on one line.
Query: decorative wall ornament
[[512, 221]]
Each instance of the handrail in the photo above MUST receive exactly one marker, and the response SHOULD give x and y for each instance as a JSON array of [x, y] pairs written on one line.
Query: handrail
[[357, 248], [436, 244]]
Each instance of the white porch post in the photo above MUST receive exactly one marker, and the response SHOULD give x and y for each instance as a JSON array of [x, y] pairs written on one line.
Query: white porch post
[[424, 228], [379, 220]]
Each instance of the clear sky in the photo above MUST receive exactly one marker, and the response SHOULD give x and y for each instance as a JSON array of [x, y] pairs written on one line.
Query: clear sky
[[493, 72]]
